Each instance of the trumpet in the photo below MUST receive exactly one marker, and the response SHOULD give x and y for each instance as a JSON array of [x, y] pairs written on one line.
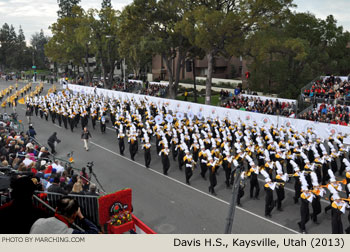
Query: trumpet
[[344, 182], [345, 199]]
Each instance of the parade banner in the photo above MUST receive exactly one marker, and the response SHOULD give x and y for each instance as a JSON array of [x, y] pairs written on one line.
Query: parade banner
[[323, 130]]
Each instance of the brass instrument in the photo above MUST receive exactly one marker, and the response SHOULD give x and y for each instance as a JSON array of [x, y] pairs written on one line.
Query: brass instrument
[[344, 182]]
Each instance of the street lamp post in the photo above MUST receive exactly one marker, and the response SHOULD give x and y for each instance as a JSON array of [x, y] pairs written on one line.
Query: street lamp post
[[124, 73], [33, 66]]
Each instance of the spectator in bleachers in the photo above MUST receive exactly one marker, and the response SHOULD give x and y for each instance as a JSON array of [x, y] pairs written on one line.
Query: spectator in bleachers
[[77, 188], [55, 186], [328, 113], [92, 190], [330, 88]]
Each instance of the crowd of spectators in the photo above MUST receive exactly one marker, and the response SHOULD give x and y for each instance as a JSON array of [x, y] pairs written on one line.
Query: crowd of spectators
[[329, 89], [130, 86], [21, 157], [328, 113], [140, 88], [256, 104], [154, 90]]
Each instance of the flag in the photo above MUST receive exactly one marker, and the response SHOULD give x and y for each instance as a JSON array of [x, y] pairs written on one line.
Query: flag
[[21, 101]]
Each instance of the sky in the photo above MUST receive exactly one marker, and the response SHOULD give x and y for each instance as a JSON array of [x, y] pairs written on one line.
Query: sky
[[40, 14]]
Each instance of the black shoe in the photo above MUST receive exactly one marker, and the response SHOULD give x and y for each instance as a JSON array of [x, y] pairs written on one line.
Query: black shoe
[[188, 182], [268, 215]]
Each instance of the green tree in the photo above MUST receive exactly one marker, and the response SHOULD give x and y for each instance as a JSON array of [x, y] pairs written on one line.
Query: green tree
[[219, 27], [106, 40], [153, 24], [38, 42], [8, 42], [287, 55], [136, 46], [64, 47], [106, 4], [66, 7]]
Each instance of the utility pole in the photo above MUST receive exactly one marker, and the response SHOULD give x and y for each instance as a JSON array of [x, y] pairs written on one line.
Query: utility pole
[[232, 209]]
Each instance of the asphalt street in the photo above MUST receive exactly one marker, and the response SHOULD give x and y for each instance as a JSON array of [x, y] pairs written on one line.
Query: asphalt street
[[166, 203]]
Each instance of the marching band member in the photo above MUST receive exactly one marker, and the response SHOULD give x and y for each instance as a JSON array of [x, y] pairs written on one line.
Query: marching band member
[[203, 161], [189, 164], [269, 188], [281, 179], [338, 209], [164, 153], [147, 147], [212, 174], [319, 192], [133, 146], [306, 198], [120, 137], [254, 182]]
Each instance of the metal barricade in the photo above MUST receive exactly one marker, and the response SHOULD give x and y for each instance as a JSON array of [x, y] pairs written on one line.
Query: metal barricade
[[88, 204]]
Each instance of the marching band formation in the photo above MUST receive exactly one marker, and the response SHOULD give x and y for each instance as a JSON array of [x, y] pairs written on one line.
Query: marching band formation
[[276, 154]]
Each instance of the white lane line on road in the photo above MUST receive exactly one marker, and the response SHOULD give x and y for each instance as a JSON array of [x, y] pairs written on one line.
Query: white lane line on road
[[195, 189], [110, 129], [57, 126]]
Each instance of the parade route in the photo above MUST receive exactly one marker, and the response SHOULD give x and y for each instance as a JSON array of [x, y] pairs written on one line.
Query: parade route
[[166, 203]]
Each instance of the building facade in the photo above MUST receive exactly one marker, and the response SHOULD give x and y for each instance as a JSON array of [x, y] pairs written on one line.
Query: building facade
[[232, 68]]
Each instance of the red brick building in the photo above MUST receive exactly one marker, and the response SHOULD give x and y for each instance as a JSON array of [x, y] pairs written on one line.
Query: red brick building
[[222, 68]]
